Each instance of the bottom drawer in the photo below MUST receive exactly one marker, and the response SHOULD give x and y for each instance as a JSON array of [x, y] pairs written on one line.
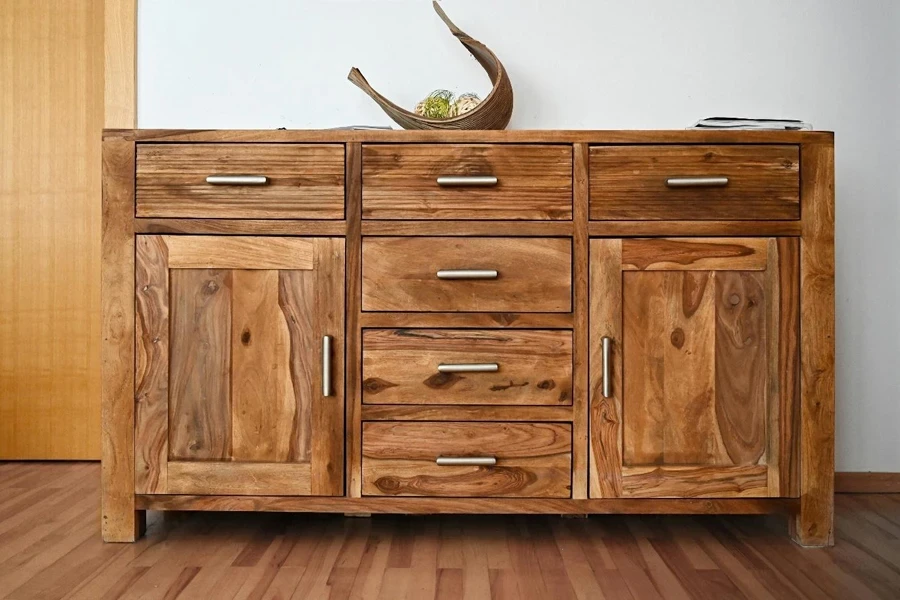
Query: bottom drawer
[[460, 459]]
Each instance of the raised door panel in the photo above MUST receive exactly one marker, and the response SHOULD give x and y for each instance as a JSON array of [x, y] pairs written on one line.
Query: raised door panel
[[702, 364], [230, 365]]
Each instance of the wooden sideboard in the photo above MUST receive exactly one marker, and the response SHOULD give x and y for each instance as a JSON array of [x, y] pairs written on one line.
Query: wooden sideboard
[[475, 322]]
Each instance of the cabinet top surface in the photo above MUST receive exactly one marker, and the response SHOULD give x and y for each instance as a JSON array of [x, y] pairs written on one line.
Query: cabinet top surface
[[548, 136]]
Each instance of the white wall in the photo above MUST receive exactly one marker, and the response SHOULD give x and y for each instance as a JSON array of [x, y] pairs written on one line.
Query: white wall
[[593, 64]]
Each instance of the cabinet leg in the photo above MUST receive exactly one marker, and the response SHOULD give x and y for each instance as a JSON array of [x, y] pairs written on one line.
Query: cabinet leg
[[813, 526], [129, 526]]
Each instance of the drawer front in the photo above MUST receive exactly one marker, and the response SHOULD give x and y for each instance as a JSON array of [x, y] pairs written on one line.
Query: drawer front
[[467, 181], [695, 182], [467, 366], [286, 181], [523, 274], [513, 460]]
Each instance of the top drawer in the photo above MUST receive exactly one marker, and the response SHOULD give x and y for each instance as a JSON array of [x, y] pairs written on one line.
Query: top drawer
[[695, 182], [466, 181], [255, 181]]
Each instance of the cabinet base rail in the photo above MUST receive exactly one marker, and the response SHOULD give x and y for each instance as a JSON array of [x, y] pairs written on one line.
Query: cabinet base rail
[[419, 505]]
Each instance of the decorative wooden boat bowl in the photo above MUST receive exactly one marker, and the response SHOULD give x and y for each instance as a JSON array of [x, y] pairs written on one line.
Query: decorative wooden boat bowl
[[493, 112]]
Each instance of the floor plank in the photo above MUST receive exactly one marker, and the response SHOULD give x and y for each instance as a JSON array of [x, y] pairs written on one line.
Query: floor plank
[[50, 548]]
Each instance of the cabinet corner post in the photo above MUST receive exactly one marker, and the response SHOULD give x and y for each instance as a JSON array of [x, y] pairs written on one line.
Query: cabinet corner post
[[120, 522]]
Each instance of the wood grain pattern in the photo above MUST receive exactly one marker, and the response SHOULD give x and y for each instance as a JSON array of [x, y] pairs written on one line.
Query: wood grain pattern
[[239, 478], [534, 182], [151, 335], [353, 429], [694, 482], [257, 227], [444, 412], [503, 320], [708, 379], [629, 182], [605, 433], [120, 63], [467, 228], [218, 252], [51, 110], [692, 228], [200, 400], [815, 525], [399, 274], [327, 419], [272, 371], [524, 136], [400, 366], [472, 506], [533, 459], [244, 365], [581, 330], [120, 521], [305, 181], [696, 254]]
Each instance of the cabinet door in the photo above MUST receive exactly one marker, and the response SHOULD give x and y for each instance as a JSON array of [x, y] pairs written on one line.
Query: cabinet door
[[701, 363], [237, 340]]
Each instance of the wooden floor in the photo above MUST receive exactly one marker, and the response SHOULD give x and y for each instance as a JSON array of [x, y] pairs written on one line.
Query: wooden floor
[[50, 547]]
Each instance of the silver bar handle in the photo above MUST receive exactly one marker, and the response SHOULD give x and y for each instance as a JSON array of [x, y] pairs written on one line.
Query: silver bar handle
[[606, 344], [466, 461], [680, 182], [467, 181], [468, 368], [237, 179], [467, 274], [326, 366]]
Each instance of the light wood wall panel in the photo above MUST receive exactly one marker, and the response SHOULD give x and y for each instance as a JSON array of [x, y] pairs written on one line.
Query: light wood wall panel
[[51, 115]]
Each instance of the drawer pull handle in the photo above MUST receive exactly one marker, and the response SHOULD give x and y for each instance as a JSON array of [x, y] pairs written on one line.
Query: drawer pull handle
[[326, 366], [606, 344], [679, 182], [237, 180], [468, 368], [467, 274], [467, 181], [466, 461]]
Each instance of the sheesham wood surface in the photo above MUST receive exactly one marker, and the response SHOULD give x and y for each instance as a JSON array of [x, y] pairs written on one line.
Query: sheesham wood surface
[[533, 459], [240, 385], [274, 227], [400, 366], [701, 399], [629, 182], [51, 549], [814, 526], [51, 111], [305, 181], [456, 412], [400, 182], [120, 521], [581, 329], [506, 320], [400, 274], [524, 136], [353, 427]]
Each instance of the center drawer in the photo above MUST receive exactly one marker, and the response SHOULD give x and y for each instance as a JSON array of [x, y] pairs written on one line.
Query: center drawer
[[496, 367], [462, 459], [434, 274], [467, 181]]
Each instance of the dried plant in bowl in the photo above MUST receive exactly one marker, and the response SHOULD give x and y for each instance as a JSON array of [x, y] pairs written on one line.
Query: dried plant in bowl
[[493, 112]]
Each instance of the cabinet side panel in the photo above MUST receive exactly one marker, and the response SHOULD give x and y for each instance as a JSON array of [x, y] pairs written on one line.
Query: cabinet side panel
[[199, 401]]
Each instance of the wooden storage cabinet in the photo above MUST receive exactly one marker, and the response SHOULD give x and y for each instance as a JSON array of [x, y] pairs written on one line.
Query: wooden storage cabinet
[[492, 322]]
